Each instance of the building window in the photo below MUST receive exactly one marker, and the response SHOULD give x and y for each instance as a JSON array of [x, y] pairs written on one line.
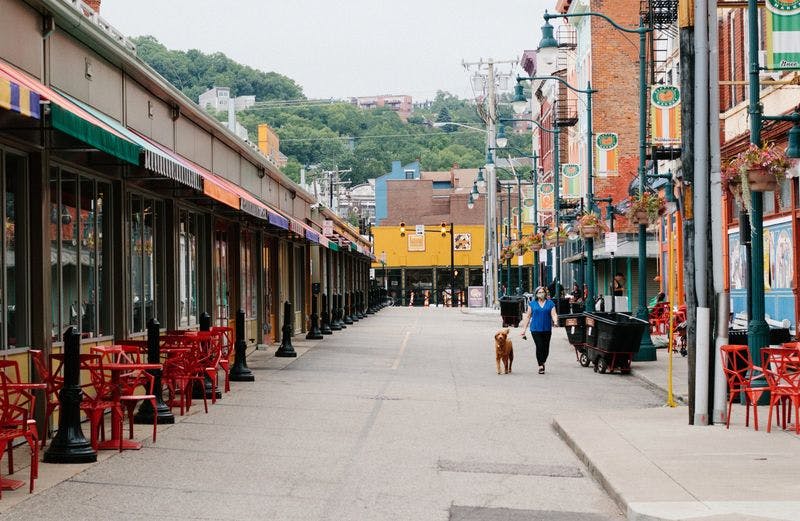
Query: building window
[[145, 230], [188, 230], [13, 325], [409, 174], [80, 290], [248, 274]]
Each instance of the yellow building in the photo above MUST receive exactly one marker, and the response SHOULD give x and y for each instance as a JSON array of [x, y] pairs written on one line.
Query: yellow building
[[421, 263]]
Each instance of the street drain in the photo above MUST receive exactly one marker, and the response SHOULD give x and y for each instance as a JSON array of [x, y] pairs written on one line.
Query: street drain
[[514, 469], [463, 513]]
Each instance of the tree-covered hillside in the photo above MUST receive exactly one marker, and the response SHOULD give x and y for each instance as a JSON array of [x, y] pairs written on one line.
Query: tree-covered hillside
[[326, 135]]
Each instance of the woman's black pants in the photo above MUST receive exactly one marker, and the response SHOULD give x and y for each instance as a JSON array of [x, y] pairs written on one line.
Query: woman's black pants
[[542, 341]]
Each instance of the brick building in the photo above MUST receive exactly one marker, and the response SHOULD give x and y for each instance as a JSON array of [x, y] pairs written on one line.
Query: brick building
[[399, 103], [781, 212]]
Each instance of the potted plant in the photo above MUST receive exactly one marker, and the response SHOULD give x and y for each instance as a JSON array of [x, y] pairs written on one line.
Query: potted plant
[[555, 237], [756, 169], [590, 225], [519, 247], [534, 241], [646, 208]]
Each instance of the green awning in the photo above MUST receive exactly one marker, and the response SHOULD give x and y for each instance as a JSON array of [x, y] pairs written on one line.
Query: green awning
[[353, 247], [333, 246], [77, 127]]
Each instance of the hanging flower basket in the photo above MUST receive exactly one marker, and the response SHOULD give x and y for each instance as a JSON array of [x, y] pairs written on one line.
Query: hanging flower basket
[[535, 246], [590, 231], [761, 180], [646, 208], [757, 169], [555, 238]]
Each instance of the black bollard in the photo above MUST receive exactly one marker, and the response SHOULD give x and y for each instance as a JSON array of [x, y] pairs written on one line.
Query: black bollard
[[362, 307], [337, 310], [347, 319], [240, 372], [326, 317], [335, 325], [286, 349], [69, 445], [314, 333], [207, 387], [145, 413], [371, 302]]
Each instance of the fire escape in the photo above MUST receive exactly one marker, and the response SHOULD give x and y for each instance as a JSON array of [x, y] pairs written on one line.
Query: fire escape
[[662, 16], [566, 104]]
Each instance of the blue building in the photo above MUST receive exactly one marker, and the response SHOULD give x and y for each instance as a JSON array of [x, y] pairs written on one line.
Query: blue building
[[399, 171]]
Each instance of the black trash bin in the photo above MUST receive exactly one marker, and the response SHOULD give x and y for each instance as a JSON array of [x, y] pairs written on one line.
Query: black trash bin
[[511, 309], [575, 326], [777, 336], [612, 339]]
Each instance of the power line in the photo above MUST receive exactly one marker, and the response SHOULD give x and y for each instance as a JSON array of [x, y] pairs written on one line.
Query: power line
[[384, 136]]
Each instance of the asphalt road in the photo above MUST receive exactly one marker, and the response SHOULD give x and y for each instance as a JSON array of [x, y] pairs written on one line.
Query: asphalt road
[[399, 417]]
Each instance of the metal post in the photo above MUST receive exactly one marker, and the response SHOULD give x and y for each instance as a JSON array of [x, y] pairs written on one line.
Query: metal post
[[326, 316], [508, 238], [145, 413], [535, 222], [491, 196], [286, 349], [757, 328], [314, 333], [589, 276], [556, 202], [207, 387], [69, 444], [647, 351], [240, 372], [452, 266], [519, 229]]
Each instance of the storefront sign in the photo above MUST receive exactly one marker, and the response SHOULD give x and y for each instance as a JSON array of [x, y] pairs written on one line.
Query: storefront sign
[[416, 242], [475, 296], [462, 242], [327, 228]]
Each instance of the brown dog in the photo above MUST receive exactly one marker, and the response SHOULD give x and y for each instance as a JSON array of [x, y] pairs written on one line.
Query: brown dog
[[503, 350]]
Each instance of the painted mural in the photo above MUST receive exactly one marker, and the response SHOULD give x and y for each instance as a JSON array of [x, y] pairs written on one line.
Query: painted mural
[[778, 272]]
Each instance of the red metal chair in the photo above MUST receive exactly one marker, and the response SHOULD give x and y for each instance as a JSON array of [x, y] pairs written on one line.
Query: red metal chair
[[53, 381], [741, 374], [16, 420], [184, 366], [225, 339], [129, 383], [781, 367]]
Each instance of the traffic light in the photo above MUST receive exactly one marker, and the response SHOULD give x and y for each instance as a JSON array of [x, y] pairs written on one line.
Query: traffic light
[[444, 229], [402, 229]]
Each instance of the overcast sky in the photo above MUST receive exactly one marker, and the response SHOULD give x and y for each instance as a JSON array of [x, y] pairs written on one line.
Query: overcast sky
[[342, 48]]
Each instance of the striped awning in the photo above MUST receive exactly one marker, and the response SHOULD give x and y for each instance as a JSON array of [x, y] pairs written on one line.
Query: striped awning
[[69, 118], [19, 98]]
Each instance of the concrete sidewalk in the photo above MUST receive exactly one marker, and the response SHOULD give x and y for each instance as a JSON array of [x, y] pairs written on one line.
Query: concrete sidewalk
[[658, 467]]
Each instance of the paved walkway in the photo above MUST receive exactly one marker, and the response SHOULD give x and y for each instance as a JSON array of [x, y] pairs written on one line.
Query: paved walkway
[[402, 417]]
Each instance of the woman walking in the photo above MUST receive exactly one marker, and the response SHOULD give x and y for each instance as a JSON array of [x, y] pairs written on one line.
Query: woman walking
[[541, 315]]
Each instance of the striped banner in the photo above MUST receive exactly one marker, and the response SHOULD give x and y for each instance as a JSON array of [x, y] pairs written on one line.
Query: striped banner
[[571, 181], [546, 200], [19, 99], [607, 154], [783, 34], [665, 115], [527, 204]]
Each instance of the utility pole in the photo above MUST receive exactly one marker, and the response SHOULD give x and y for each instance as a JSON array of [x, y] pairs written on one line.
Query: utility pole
[[490, 222], [334, 182]]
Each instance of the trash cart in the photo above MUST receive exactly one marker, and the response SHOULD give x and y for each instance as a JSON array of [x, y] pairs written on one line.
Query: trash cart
[[511, 309], [612, 339], [575, 325]]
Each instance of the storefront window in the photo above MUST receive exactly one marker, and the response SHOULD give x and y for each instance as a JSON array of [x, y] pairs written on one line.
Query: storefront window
[[80, 288], [14, 168], [221, 278], [248, 274], [145, 228], [187, 264]]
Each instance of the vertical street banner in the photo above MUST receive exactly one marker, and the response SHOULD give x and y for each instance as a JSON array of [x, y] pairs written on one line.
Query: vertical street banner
[[783, 34], [571, 181], [527, 205], [665, 116], [607, 156], [546, 200]]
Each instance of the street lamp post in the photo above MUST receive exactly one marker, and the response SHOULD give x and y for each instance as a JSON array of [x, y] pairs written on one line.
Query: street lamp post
[[647, 351]]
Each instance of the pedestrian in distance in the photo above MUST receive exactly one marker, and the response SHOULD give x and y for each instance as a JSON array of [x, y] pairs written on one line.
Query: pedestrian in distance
[[541, 317], [618, 285]]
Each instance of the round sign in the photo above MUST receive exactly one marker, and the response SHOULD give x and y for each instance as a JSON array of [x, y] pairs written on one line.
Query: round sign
[[666, 96], [784, 7], [607, 141]]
